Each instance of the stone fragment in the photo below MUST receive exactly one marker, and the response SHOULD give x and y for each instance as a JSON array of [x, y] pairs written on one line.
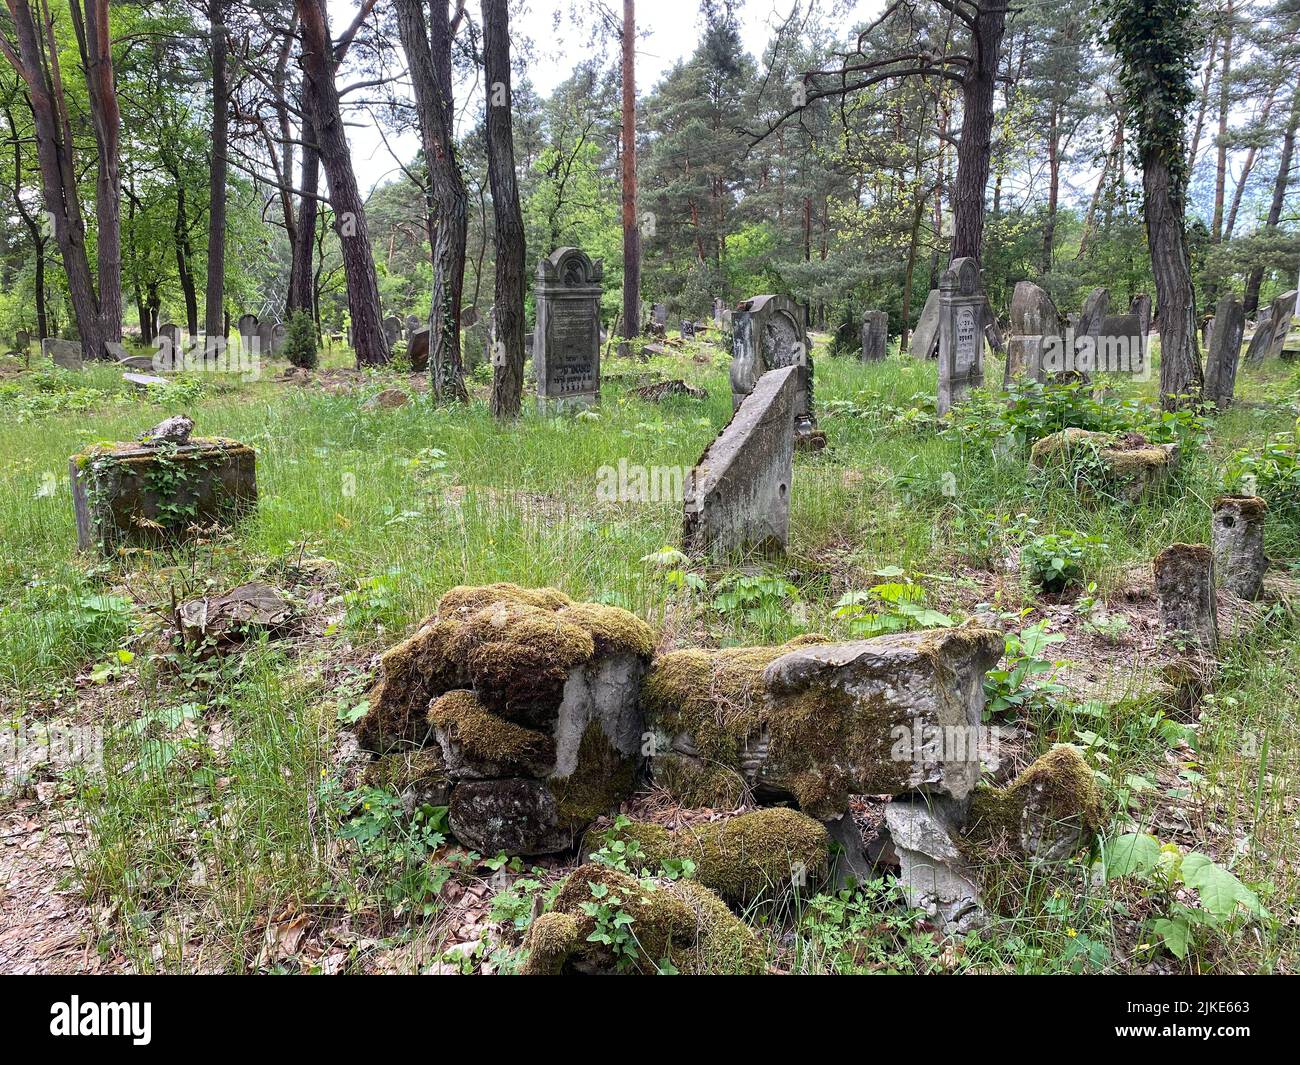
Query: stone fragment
[[737, 498], [173, 431], [1133, 467], [654, 393], [235, 615], [875, 335], [818, 722], [1184, 576], [1050, 812], [1237, 539], [934, 876]]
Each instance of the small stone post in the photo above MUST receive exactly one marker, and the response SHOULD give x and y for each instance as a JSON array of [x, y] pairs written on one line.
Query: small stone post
[[1185, 585], [1237, 537]]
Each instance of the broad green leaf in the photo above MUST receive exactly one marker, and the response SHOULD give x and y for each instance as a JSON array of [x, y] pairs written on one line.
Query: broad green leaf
[[1133, 852], [1219, 890]]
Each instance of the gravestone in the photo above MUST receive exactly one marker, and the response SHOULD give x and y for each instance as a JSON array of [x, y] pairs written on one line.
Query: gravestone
[[392, 329], [737, 498], [1225, 350], [1283, 312], [1184, 577], [65, 353], [146, 494], [658, 324], [961, 338], [925, 338], [413, 322], [264, 337], [1035, 323], [687, 329], [566, 340], [1088, 330], [247, 331], [418, 350], [1122, 345], [279, 334], [169, 334], [1141, 306], [143, 381], [22, 341], [768, 334], [718, 308], [875, 335], [1261, 338]]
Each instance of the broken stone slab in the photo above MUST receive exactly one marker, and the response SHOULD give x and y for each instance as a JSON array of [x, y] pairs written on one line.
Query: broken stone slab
[[533, 701], [934, 876], [768, 335], [1261, 338], [1237, 540], [236, 615], [1049, 813], [1283, 312], [144, 381], [1225, 351], [172, 431], [656, 392], [925, 338], [737, 498], [817, 722], [134, 494], [64, 353], [1184, 577], [1134, 466], [1034, 318]]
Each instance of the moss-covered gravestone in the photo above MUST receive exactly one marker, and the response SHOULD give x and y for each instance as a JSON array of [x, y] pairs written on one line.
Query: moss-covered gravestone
[[154, 491]]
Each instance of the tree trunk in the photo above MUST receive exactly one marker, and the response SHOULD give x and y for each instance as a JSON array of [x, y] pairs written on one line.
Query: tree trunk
[[1256, 278], [184, 259], [214, 303], [975, 147], [321, 102], [1053, 187], [1252, 154], [301, 286], [508, 352], [631, 227], [1225, 102], [1180, 362], [428, 56]]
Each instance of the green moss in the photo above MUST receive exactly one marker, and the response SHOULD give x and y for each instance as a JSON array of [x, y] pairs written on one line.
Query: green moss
[[603, 778], [743, 858], [411, 674], [463, 600], [486, 738], [614, 630], [422, 769], [677, 921], [719, 787], [1061, 787]]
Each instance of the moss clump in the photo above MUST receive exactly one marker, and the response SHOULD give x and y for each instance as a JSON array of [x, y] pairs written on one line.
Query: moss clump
[[1132, 462], [692, 783], [1052, 808], [422, 770], [614, 630], [460, 602], [411, 674], [487, 741], [676, 921], [744, 858], [603, 778], [550, 940]]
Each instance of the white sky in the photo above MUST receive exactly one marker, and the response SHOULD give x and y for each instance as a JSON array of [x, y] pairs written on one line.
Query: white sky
[[667, 31]]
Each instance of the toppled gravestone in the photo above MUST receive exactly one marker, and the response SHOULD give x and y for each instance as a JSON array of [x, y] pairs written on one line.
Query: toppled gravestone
[[659, 390], [925, 338], [737, 498], [531, 701], [154, 491], [221, 620], [674, 921], [817, 722], [762, 853], [1129, 465]]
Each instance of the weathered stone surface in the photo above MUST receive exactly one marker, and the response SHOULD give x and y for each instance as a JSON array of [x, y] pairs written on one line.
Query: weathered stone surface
[[1050, 812], [818, 722], [1225, 351], [418, 776], [934, 876], [418, 350], [1033, 317], [64, 353], [172, 431], [133, 494], [143, 381], [239, 613], [768, 334], [533, 703], [392, 329], [566, 349], [1237, 540], [1185, 586], [248, 335], [1261, 338], [1135, 466], [925, 338], [875, 335], [961, 333], [1283, 314], [737, 497], [659, 390]]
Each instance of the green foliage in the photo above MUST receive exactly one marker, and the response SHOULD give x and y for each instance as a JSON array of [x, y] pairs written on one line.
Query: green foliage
[[1163, 871], [300, 342], [869, 929], [893, 606], [1013, 686], [1055, 561], [1272, 472]]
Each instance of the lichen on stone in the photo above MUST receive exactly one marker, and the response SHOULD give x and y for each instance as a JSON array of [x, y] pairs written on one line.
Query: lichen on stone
[[744, 858], [674, 921]]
